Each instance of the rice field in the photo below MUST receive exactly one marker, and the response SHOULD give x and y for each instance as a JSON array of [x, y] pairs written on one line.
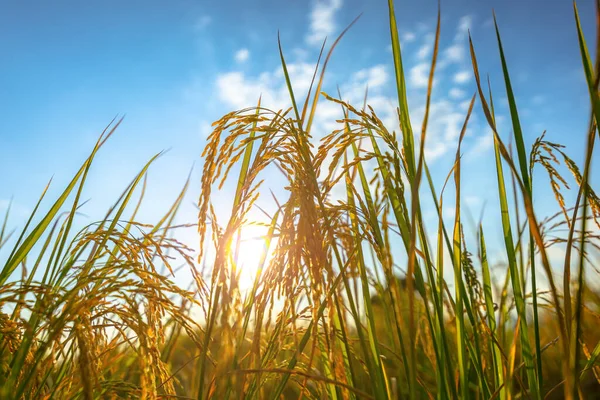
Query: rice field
[[350, 296]]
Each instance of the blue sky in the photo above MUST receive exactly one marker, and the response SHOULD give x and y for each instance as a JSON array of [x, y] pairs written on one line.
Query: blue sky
[[69, 67]]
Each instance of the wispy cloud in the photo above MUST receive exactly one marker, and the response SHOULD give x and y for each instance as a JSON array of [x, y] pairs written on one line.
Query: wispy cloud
[[482, 144], [408, 37], [456, 52], [456, 93], [202, 22], [239, 89], [424, 51], [374, 76], [464, 24], [322, 20], [464, 105], [419, 75], [242, 55], [462, 77], [426, 47]]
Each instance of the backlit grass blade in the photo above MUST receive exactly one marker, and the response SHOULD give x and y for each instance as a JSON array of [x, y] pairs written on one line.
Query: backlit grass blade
[[3, 236], [592, 82], [313, 107], [307, 101], [375, 362], [120, 207], [251, 297], [368, 208], [458, 273], [519, 142], [534, 227], [442, 239], [306, 158], [35, 317], [288, 82], [24, 248], [491, 315], [65, 231], [244, 172], [166, 222], [217, 293], [246, 160], [414, 200], [508, 239], [304, 341], [592, 360], [407, 133], [517, 131]]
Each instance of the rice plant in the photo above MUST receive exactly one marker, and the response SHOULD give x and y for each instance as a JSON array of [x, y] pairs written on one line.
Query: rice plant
[[351, 297]]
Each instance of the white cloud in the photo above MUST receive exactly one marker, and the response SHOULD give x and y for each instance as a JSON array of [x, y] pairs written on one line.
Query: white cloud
[[202, 22], [374, 76], [455, 53], [408, 37], [482, 144], [242, 55], [419, 75], [424, 51], [322, 20], [449, 122], [464, 105], [443, 129], [237, 90], [462, 77], [464, 24], [427, 47], [456, 93]]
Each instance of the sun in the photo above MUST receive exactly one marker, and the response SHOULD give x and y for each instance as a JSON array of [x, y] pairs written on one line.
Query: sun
[[251, 253]]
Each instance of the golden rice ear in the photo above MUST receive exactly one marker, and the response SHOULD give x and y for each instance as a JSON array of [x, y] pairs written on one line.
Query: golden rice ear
[[592, 198], [543, 153]]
